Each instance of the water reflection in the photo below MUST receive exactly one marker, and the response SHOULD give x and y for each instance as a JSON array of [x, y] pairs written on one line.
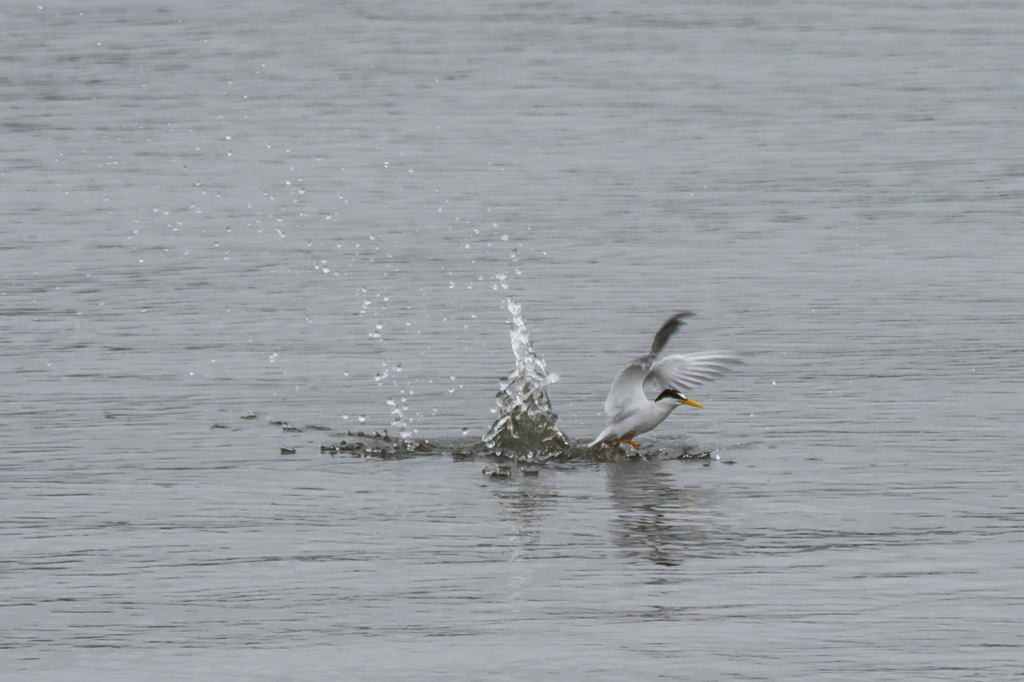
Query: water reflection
[[657, 520], [525, 504]]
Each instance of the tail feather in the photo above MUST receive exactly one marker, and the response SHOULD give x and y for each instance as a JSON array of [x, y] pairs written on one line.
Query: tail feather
[[602, 436]]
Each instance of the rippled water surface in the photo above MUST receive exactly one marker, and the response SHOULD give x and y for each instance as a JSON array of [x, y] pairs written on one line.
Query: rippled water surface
[[236, 236]]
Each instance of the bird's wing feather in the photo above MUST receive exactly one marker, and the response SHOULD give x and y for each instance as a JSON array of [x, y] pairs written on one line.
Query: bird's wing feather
[[628, 387], [683, 372], [667, 330]]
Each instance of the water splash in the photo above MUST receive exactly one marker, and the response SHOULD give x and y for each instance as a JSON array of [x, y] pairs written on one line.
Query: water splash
[[398, 419], [526, 425]]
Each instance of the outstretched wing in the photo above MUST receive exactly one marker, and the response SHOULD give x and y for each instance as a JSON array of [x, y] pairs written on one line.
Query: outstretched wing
[[683, 372], [628, 387], [667, 330]]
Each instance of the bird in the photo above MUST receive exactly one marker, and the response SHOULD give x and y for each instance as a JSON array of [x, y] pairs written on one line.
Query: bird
[[631, 412]]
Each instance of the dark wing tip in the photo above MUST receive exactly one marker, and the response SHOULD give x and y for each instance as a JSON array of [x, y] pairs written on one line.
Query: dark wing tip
[[667, 330]]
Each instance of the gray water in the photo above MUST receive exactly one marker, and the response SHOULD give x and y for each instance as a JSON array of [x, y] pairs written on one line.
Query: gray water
[[233, 229]]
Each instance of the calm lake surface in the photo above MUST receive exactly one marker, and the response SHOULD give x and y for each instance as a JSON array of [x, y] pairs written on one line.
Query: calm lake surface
[[231, 232]]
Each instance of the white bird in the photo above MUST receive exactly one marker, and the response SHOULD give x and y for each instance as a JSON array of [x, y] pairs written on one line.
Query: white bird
[[631, 412]]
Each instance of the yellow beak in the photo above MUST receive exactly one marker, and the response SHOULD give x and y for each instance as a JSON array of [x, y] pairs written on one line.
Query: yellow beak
[[687, 401]]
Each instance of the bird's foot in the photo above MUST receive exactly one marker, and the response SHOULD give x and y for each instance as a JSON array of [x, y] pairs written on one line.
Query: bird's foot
[[620, 441]]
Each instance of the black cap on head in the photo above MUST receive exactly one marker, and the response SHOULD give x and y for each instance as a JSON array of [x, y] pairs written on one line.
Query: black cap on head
[[669, 393]]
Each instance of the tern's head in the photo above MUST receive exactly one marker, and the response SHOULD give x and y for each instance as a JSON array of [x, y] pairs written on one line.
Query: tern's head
[[671, 394]]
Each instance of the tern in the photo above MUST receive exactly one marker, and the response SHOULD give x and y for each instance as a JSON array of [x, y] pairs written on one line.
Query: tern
[[631, 412]]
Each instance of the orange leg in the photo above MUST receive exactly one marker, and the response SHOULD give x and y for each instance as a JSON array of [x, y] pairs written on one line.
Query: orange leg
[[620, 441]]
